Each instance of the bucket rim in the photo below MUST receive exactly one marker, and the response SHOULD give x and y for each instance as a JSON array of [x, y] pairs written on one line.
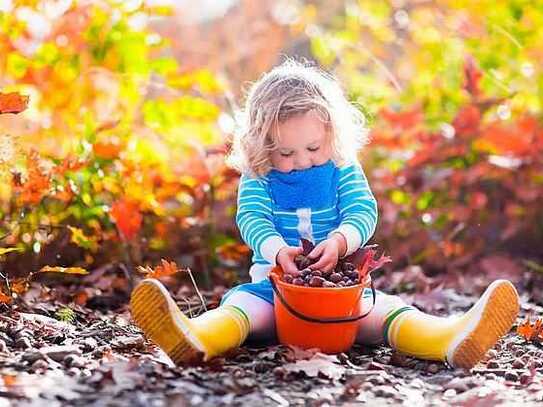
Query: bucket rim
[[276, 271]]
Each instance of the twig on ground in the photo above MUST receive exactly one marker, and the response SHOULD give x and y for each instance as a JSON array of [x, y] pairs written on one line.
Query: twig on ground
[[196, 288]]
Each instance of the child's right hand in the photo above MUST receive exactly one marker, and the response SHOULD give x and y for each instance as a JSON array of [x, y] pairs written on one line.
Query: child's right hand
[[285, 258]]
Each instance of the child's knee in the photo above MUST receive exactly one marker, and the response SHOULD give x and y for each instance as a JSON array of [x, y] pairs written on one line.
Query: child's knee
[[260, 313], [371, 327]]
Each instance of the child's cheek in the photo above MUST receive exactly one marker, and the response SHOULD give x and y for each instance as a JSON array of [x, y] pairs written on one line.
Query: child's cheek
[[325, 155], [282, 164], [286, 166]]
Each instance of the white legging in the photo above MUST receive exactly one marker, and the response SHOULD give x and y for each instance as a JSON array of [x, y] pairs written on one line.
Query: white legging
[[262, 319]]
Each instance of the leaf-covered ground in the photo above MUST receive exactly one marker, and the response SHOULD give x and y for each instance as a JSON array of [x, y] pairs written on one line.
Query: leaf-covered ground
[[100, 358]]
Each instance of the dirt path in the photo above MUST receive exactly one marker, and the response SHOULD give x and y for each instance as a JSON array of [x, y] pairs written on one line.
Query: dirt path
[[101, 359]]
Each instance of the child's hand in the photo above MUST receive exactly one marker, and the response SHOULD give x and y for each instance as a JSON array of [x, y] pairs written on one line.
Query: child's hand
[[285, 258], [329, 251]]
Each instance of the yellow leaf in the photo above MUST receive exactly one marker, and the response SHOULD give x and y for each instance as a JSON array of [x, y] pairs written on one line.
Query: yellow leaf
[[79, 238], [4, 250], [66, 270]]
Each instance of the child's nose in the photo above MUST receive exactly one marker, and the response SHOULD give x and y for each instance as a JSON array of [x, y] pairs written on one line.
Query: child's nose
[[303, 162]]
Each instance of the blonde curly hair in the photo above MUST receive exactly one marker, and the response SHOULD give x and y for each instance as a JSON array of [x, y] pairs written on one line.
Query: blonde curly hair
[[290, 89]]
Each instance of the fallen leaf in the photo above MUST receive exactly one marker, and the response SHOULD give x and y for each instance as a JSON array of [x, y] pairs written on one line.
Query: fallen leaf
[[5, 299], [326, 365], [65, 270], [4, 250], [164, 269], [296, 353], [19, 285], [531, 331]]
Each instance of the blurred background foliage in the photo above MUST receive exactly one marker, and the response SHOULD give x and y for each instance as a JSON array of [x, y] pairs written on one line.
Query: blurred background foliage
[[119, 158]]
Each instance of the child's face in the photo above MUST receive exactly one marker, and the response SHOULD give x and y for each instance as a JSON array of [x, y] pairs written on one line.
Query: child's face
[[303, 143]]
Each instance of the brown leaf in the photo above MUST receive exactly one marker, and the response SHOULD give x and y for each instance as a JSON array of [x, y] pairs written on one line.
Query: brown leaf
[[19, 285], [13, 103], [319, 364]]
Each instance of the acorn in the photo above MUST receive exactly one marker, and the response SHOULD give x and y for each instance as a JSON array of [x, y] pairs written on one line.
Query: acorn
[[347, 266], [316, 281], [353, 275], [302, 261]]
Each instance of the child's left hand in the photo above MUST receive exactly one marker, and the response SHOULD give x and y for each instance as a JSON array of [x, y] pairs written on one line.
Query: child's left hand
[[329, 251]]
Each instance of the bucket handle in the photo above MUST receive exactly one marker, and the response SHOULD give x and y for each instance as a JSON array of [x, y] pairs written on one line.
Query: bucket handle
[[324, 320]]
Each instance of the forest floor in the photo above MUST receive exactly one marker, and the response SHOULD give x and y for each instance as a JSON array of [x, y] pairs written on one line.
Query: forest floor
[[96, 356]]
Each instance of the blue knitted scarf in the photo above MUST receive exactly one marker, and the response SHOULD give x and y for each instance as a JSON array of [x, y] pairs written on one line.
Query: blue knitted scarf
[[313, 188]]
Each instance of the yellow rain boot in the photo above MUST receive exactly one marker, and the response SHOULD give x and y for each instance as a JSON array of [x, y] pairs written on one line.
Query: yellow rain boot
[[186, 340], [460, 341]]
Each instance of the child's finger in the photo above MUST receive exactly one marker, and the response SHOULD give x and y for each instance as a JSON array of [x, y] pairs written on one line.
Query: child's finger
[[316, 252], [290, 268], [326, 263], [322, 264], [321, 256]]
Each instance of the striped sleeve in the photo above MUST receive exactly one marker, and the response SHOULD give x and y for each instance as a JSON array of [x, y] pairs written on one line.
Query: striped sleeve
[[254, 219], [357, 208]]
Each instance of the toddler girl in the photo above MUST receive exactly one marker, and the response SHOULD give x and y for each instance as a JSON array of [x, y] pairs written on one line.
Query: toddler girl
[[297, 153]]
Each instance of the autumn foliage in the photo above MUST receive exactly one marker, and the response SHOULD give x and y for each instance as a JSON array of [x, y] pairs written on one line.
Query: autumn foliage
[[115, 153]]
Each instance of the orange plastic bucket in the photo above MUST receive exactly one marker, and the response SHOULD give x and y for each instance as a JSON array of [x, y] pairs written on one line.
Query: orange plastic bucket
[[317, 317]]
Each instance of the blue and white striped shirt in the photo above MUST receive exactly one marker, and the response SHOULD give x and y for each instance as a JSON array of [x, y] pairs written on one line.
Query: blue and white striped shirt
[[267, 228]]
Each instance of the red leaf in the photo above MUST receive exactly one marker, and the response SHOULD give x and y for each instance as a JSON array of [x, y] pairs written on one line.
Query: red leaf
[[164, 269], [472, 76], [403, 120], [466, 122], [531, 331], [504, 139], [5, 299], [127, 217], [37, 184], [12, 103], [365, 262], [307, 246]]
